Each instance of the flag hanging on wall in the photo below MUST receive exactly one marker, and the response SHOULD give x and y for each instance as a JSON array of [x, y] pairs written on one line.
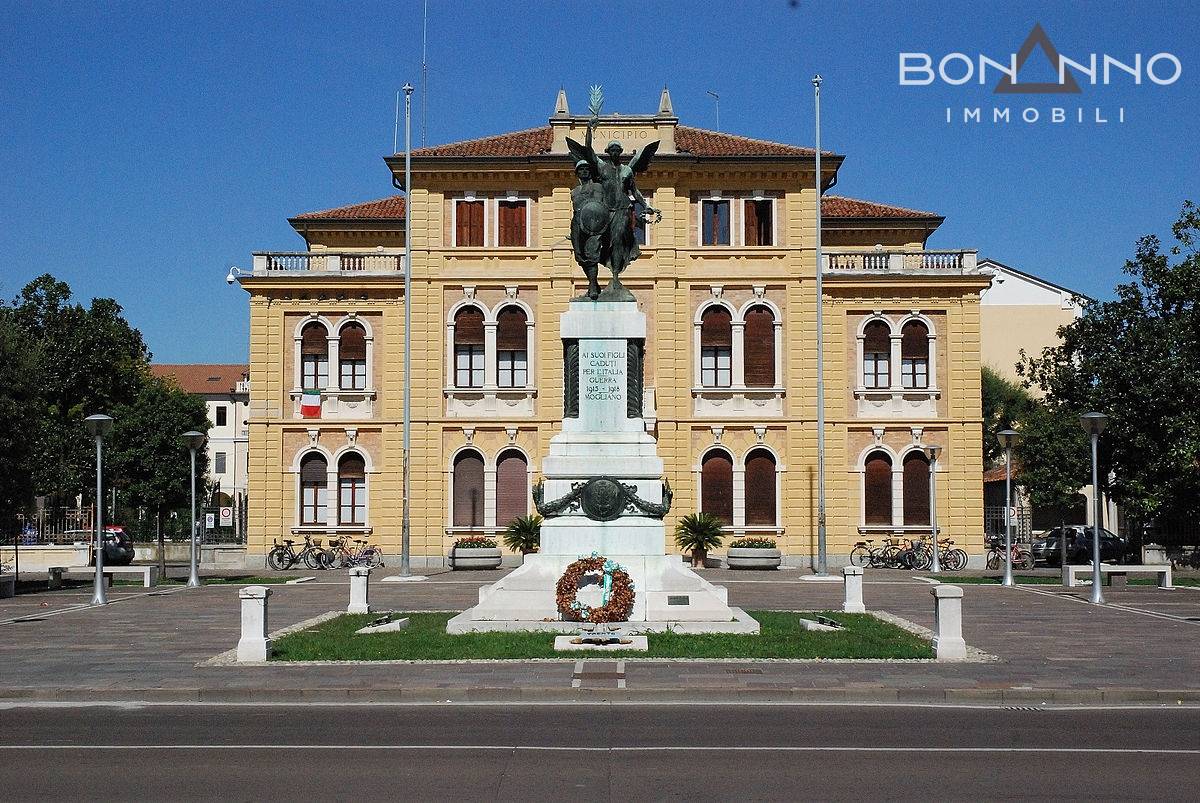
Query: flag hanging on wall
[[310, 404]]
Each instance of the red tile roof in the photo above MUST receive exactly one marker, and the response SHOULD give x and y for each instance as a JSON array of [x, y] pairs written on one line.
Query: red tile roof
[[198, 378], [998, 473], [537, 141], [390, 208], [834, 206]]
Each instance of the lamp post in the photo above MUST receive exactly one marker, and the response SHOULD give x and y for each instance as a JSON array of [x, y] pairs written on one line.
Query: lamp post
[[98, 426], [193, 440], [933, 451], [822, 557], [405, 523], [1094, 424], [1008, 438]]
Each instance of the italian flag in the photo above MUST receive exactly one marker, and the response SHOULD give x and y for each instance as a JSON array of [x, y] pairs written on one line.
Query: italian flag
[[310, 404]]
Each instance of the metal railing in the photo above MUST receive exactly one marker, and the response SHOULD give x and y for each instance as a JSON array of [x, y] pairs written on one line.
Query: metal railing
[[957, 261], [270, 262]]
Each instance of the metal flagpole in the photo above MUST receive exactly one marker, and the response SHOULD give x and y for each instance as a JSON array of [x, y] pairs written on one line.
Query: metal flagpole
[[405, 528], [822, 558]]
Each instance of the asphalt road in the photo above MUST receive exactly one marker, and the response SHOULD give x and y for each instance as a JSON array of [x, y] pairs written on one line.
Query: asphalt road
[[595, 752]]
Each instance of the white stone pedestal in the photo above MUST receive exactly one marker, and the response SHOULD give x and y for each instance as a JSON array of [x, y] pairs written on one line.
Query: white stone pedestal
[[604, 441]]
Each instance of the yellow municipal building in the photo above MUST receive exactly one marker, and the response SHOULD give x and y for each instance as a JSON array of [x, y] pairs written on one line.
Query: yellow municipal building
[[727, 281]]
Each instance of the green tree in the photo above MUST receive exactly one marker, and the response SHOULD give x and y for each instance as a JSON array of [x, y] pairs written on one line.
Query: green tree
[[1136, 358], [1005, 405], [18, 412]]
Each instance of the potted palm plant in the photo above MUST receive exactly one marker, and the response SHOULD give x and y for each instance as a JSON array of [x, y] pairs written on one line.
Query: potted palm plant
[[524, 534], [697, 533], [753, 553], [475, 552]]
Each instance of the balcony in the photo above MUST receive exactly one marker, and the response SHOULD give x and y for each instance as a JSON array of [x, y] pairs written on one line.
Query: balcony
[[892, 262], [357, 263]]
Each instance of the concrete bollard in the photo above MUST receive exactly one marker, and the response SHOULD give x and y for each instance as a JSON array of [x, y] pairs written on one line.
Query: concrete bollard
[[852, 580], [254, 644], [360, 576], [948, 642]]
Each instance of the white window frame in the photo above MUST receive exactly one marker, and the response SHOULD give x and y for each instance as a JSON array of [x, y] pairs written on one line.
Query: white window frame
[[716, 195], [487, 226], [508, 197], [760, 195]]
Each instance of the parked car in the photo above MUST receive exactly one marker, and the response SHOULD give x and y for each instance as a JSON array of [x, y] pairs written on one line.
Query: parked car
[[1048, 549], [118, 546]]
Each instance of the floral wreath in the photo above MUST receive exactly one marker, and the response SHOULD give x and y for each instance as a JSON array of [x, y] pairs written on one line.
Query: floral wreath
[[618, 591]]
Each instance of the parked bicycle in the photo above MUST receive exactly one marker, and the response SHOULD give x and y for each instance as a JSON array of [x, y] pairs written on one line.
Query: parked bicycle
[[1021, 558], [284, 555], [345, 552]]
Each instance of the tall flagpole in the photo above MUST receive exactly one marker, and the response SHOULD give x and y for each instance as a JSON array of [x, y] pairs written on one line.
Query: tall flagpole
[[405, 528], [822, 558]]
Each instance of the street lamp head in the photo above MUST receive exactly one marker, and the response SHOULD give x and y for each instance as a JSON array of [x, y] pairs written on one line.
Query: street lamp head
[[816, 80], [98, 425], [1008, 438], [408, 88], [933, 451], [1093, 423], [192, 439]]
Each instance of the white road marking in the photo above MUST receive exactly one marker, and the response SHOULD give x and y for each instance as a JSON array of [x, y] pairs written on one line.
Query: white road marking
[[1179, 751]]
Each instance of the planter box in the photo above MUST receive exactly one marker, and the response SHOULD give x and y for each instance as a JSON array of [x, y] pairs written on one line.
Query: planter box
[[744, 558], [476, 558]]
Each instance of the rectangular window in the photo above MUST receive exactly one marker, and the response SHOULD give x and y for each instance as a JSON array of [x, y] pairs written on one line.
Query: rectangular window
[[468, 223], [716, 367], [876, 373], [222, 415], [512, 223], [314, 371], [352, 500], [714, 222], [512, 369], [314, 504], [759, 222], [354, 375], [914, 373], [640, 229], [468, 366], [219, 463]]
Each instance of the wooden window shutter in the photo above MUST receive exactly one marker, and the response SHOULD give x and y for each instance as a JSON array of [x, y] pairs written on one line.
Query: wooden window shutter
[[512, 223], [314, 470], [750, 221], [469, 223], [313, 340], [510, 329], [877, 338], [512, 488], [352, 467], [759, 348], [468, 327], [916, 489], [716, 486], [914, 341], [468, 490], [716, 328], [877, 489], [760, 488], [353, 343]]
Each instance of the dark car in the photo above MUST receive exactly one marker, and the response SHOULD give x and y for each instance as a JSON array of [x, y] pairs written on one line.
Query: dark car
[[118, 546], [1048, 548]]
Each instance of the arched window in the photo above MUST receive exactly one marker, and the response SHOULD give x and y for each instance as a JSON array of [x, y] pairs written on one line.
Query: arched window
[[760, 488], [716, 348], [352, 357], [512, 487], [468, 348], [759, 347], [877, 350], [468, 490], [314, 357], [914, 355], [352, 489], [916, 488], [512, 363], [877, 489], [716, 486], [314, 489]]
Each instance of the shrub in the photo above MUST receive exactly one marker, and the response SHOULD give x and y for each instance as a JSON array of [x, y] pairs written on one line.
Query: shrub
[[475, 542], [697, 533], [753, 543], [524, 534]]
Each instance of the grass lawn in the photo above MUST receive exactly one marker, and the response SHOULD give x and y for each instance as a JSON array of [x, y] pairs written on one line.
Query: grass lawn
[[782, 636], [1021, 579], [214, 581]]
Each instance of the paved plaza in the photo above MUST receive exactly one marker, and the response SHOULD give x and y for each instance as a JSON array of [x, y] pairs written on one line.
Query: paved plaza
[[1052, 647]]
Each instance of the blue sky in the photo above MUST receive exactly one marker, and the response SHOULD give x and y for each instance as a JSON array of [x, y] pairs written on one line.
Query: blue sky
[[148, 147]]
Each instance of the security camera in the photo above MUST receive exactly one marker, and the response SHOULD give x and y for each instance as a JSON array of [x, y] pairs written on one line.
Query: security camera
[[229, 277]]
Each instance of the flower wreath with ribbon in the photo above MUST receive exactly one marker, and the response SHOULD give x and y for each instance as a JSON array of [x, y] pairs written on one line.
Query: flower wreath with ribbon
[[616, 599]]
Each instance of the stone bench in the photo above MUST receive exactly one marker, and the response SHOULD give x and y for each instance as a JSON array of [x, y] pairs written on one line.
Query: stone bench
[[149, 574], [1070, 573]]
